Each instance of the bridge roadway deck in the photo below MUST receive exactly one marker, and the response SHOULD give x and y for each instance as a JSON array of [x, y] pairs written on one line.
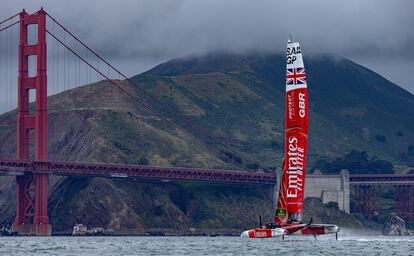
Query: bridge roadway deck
[[382, 179], [14, 167]]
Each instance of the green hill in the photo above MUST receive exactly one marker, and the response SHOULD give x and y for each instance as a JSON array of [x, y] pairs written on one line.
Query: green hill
[[238, 99], [351, 107]]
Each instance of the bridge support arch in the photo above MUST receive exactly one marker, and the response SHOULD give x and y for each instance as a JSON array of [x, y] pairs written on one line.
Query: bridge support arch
[[32, 189], [404, 201], [368, 201]]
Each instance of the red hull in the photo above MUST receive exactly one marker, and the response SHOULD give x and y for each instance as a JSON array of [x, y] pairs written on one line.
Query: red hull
[[263, 233], [311, 229]]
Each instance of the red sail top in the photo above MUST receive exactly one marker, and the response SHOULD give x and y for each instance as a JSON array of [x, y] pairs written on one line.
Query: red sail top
[[292, 182]]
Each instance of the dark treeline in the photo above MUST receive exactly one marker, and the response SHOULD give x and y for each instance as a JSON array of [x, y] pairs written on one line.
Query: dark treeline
[[355, 162]]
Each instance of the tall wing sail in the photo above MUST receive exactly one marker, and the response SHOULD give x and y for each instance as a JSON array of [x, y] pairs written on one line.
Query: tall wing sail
[[292, 183]]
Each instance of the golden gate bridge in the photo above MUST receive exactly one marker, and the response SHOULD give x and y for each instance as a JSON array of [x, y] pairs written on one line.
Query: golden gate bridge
[[71, 64]]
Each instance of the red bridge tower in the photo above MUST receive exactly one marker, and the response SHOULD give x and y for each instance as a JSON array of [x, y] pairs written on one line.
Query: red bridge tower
[[32, 189]]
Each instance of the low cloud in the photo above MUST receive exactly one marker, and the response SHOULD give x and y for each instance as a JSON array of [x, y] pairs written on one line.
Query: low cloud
[[372, 32]]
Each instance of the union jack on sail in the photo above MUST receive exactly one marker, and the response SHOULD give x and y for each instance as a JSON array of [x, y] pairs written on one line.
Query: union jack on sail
[[295, 76]]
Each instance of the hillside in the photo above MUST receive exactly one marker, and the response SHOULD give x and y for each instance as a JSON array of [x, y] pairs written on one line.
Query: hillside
[[351, 107], [239, 99]]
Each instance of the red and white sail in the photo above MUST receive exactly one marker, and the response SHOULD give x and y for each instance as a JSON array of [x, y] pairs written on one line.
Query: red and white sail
[[292, 184], [288, 219]]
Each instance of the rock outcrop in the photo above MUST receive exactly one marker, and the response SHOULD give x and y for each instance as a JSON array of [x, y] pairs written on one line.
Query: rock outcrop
[[395, 226]]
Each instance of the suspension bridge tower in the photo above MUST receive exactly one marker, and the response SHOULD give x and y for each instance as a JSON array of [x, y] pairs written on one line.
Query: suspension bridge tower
[[32, 189]]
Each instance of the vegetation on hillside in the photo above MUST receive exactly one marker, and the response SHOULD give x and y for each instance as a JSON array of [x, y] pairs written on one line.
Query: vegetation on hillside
[[238, 99], [408, 156], [355, 162]]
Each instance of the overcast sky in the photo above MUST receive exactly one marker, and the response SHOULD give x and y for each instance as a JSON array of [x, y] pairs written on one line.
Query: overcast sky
[[136, 35]]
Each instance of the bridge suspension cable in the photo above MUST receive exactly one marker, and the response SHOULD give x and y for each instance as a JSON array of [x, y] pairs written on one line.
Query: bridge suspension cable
[[55, 74], [8, 61], [8, 67], [141, 102], [155, 99], [10, 18], [62, 75]]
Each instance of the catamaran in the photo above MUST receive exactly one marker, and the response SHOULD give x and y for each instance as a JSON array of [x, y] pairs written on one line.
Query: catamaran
[[288, 219]]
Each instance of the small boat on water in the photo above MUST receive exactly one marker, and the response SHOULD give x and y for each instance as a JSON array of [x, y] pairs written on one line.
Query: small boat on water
[[288, 219]]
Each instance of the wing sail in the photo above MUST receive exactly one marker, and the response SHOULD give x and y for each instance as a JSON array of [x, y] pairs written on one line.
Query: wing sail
[[292, 184]]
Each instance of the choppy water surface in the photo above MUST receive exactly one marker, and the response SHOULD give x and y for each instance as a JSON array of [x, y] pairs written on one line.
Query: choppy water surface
[[347, 245]]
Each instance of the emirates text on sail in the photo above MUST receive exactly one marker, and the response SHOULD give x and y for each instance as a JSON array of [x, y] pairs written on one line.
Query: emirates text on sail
[[295, 168]]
